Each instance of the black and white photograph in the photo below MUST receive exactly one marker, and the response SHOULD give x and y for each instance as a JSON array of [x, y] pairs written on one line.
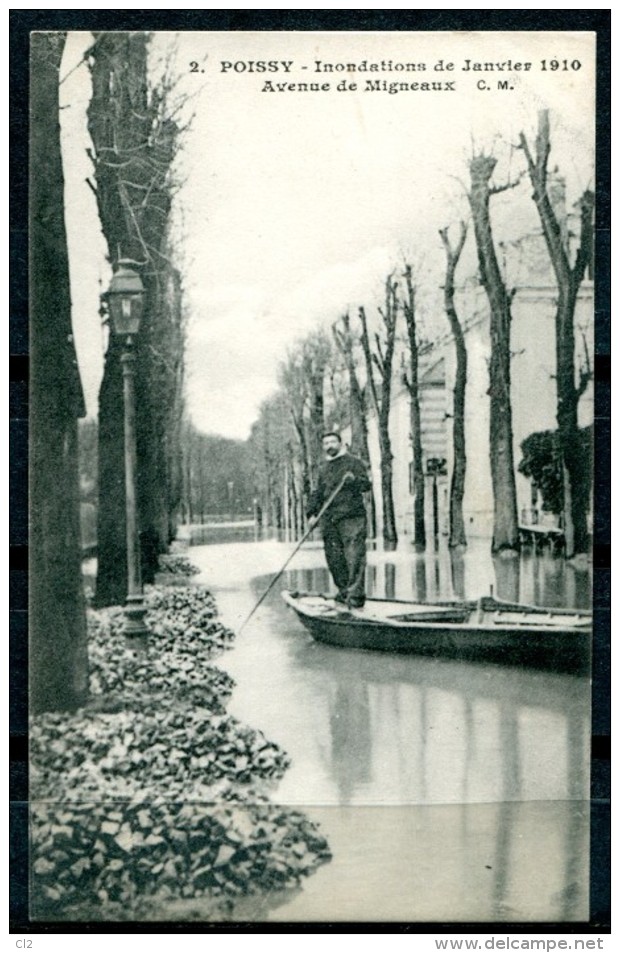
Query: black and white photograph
[[311, 476]]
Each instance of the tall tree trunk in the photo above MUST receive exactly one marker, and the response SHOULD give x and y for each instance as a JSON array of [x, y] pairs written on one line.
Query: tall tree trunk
[[357, 408], [300, 430], [390, 534], [505, 519], [382, 358], [58, 652], [411, 382], [134, 146], [569, 389], [459, 468], [315, 356], [293, 499], [111, 532]]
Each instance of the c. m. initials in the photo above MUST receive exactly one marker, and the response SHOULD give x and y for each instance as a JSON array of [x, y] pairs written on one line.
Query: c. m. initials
[[501, 84]]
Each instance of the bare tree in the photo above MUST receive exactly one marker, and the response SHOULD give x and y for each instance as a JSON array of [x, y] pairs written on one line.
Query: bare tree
[[505, 520], [275, 463], [570, 383], [316, 351], [58, 652], [379, 360], [346, 343], [459, 468], [411, 382], [135, 141], [293, 387], [303, 380]]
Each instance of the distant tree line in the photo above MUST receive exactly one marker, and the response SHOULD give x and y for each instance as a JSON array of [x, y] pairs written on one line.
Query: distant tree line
[[218, 477]]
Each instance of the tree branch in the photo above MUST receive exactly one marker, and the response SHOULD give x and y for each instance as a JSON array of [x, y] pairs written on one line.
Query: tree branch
[[379, 356], [538, 176], [496, 189], [367, 356]]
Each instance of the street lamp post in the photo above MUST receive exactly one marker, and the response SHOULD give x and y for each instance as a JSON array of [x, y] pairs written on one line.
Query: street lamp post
[[125, 301]]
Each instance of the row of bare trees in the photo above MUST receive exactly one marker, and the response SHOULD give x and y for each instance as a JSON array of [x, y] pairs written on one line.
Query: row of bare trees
[[322, 385], [135, 136], [571, 379], [330, 382], [133, 125]]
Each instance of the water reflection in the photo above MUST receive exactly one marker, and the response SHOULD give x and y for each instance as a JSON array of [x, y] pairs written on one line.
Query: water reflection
[[457, 573], [416, 730], [440, 731], [460, 782], [349, 716], [508, 576], [419, 579], [390, 581], [531, 578]]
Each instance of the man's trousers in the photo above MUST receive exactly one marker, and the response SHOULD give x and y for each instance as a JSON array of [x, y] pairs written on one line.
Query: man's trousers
[[345, 551]]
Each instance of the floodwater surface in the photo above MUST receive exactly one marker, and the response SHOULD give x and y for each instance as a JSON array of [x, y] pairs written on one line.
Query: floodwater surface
[[448, 790]]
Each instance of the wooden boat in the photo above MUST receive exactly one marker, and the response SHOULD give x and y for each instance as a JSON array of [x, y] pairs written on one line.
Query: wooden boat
[[487, 629]]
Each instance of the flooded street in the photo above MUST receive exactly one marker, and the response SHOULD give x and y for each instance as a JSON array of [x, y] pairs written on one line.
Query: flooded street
[[447, 790]]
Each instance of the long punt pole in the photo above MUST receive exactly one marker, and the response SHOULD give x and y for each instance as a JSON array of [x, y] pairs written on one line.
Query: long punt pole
[[346, 478]]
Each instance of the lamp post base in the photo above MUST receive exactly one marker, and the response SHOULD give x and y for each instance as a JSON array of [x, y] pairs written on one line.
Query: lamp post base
[[135, 610]]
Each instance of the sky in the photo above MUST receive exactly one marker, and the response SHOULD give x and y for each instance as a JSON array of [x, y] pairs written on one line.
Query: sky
[[295, 205]]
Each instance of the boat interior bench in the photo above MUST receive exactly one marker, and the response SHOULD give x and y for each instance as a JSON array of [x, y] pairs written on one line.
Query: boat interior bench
[[434, 615]]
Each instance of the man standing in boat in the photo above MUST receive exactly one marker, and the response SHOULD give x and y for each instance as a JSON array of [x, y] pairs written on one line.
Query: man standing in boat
[[344, 522]]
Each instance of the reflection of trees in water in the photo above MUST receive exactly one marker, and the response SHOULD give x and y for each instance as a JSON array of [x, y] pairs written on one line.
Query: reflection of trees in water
[[380, 722], [576, 851], [457, 573], [351, 741], [511, 783], [308, 580], [549, 580], [419, 579], [532, 578], [371, 580], [355, 725], [508, 577], [390, 581], [576, 843], [502, 855], [436, 564]]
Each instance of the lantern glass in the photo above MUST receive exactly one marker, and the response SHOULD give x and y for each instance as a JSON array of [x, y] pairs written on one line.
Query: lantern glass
[[125, 300]]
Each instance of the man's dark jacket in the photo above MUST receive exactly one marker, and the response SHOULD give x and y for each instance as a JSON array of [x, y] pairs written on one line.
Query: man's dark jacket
[[349, 501]]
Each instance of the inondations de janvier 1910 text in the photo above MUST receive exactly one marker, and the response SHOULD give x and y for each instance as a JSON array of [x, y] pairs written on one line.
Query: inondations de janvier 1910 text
[[364, 75]]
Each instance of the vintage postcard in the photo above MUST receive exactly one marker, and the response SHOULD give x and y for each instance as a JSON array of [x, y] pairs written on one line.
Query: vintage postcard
[[312, 323]]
